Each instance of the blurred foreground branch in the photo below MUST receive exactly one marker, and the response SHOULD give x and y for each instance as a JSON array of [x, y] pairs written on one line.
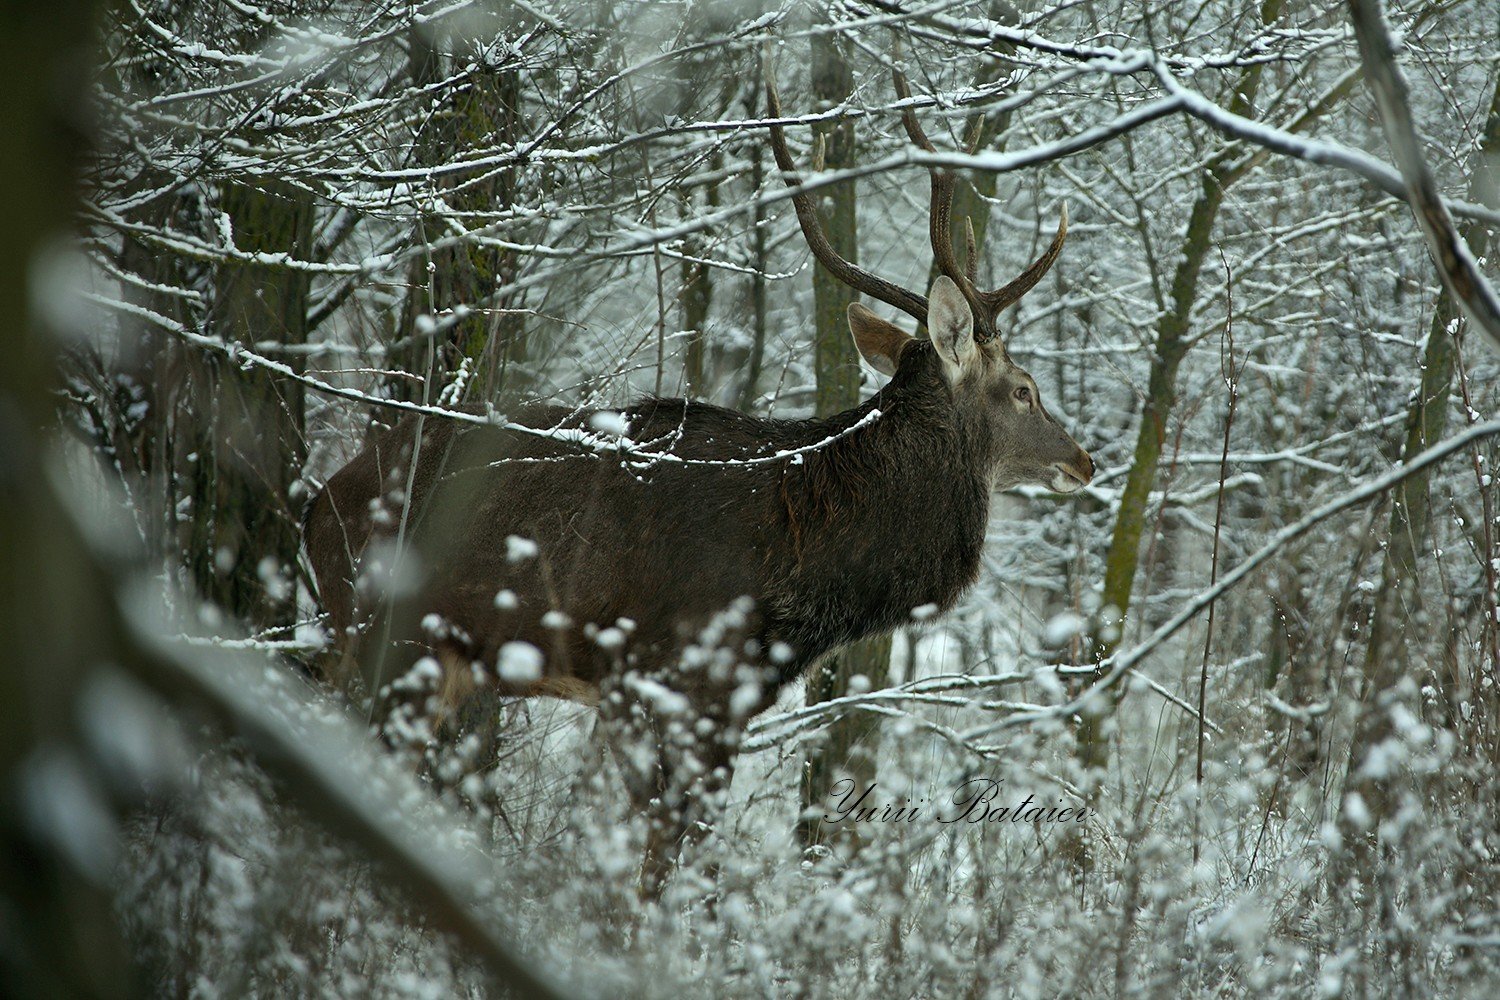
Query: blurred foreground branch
[[60, 624], [1455, 264]]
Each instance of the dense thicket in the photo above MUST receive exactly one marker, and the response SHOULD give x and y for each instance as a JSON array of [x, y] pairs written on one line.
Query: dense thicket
[[301, 216]]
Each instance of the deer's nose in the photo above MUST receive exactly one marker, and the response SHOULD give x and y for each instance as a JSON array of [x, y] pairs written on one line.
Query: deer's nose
[[1085, 465], [1080, 469]]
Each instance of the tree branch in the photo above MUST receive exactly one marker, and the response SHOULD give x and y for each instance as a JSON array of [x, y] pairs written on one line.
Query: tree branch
[[1116, 667], [1455, 264]]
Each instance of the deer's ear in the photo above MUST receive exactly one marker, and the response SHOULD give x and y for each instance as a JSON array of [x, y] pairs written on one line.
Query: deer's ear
[[950, 323], [879, 342]]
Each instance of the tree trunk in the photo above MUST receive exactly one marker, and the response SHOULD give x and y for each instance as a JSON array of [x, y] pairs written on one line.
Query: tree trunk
[[697, 296], [835, 361], [760, 262], [837, 366], [1404, 624], [493, 344], [239, 436], [1172, 342]]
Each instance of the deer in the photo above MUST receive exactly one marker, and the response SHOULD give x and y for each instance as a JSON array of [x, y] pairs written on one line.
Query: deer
[[679, 581]]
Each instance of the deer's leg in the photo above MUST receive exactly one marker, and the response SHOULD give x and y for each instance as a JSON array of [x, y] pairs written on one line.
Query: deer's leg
[[707, 799], [663, 819], [630, 732], [695, 773], [684, 724], [659, 769]]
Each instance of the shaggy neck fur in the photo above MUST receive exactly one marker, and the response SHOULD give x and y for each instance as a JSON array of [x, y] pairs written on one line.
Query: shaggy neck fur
[[889, 518]]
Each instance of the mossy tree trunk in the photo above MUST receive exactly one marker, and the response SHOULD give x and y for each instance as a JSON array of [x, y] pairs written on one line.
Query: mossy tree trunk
[[1407, 626], [214, 454], [494, 341], [240, 441], [845, 749], [835, 362], [1172, 341]]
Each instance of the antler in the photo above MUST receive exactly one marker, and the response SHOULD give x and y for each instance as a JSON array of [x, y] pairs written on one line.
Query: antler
[[986, 306], [853, 275]]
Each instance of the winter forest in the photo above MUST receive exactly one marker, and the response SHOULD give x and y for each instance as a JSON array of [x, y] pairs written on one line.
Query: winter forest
[[537, 498]]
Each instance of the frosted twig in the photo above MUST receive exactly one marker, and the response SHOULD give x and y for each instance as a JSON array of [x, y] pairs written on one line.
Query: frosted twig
[[1116, 667], [1455, 264]]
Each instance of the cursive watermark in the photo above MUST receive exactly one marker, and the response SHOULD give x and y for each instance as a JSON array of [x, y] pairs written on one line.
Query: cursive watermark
[[974, 801]]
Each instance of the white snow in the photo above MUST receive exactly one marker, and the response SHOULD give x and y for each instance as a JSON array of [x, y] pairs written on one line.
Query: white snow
[[1062, 628], [519, 662], [518, 549], [609, 422]]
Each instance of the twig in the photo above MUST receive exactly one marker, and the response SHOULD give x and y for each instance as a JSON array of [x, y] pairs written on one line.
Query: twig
[[1455, 264], [1119, 665], [1231, 380]]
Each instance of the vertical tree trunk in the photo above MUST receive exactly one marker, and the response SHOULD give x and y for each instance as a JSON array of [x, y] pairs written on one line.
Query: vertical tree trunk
[[509, 336], [1404, 624], [1172, 341], [239, 438], [835, 361], [757, 284], [495, 345], [697, 293], [697, 296], [837, 365], [219, 449], [1293, 666]]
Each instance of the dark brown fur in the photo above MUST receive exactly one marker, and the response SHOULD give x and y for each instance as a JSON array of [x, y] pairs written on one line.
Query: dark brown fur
[[832, 545]]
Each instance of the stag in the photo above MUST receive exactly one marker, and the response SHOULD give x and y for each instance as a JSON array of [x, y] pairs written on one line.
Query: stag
[[681, 577]]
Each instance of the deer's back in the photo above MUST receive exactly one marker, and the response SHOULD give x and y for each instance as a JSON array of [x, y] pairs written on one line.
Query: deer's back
[[519, 537]]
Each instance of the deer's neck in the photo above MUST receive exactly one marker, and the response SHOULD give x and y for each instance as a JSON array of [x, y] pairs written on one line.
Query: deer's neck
[[886, 519]]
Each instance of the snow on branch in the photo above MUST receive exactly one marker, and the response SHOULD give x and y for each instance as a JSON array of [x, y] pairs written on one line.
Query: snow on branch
[[599, 443], [1323, 152], [1120, 665], [1455, 264]]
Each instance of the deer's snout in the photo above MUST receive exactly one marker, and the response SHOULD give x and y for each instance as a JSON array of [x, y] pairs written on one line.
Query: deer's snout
[[1074, 474], [1085, 466]]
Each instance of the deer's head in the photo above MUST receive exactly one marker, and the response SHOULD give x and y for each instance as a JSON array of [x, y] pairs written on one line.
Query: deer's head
[[995, 397]]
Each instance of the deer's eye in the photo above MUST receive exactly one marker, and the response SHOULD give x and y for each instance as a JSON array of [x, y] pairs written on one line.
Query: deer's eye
[[1023, 394]]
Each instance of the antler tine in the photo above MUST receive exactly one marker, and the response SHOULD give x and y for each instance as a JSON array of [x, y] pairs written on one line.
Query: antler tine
[[976, 136], [940, 215], [971, 260], [1009, 294], [853, 275], [908, 116]]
